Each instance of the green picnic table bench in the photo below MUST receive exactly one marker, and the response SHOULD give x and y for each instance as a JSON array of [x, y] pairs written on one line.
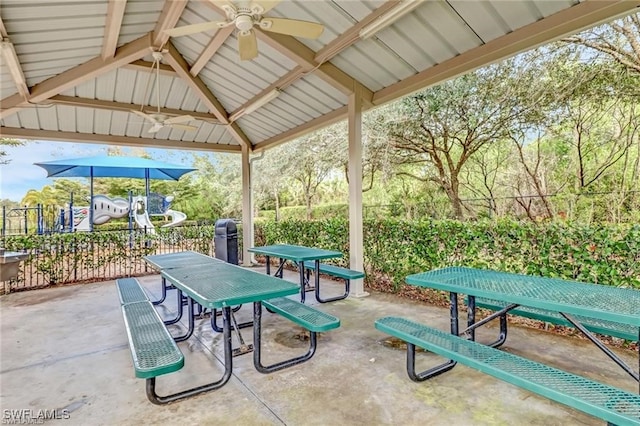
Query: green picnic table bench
[[153, 350], [130, 290], [339, 272], [309, 257], [215, 285], [609, 403], [305, 316], [569, 299]]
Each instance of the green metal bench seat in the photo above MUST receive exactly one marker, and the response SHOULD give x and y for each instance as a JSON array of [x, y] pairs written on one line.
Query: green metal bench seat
[[607, 328], [614, 405], [130, 291], [339, 272], [305, 316], [155, 352], [153, 349]]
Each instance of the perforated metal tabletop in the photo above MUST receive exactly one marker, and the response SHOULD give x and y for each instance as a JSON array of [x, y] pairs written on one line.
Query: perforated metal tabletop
[[220, 284], [180, 259], [596, 301], [295, 253]]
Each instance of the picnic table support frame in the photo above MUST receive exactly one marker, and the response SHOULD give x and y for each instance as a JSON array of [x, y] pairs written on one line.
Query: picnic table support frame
[[214, 321], [440, 368], [257, 342], [164, 292], [228, 367], [180, 311], [303, 272], [191, 319], [603, 348], [427, 374], [472, 325]]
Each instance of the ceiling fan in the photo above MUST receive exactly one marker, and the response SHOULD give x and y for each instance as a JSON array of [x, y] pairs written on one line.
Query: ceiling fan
[[244, 15], [159, 120]]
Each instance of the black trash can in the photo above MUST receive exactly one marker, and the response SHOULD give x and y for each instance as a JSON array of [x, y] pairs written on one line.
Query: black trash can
[[225, 240]]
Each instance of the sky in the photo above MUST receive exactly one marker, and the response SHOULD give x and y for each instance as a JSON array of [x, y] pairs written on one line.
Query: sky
[[21, 175]]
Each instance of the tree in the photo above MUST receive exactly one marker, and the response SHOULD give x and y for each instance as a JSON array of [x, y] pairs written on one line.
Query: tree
[[312, 162], [8, 142], [271, 178], [218, 185], [618, 40], [599, 119], [482, 176], [442, 127]]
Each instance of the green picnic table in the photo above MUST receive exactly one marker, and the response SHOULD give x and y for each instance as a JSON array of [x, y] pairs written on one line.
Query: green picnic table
[[299, 255], [571, 300]]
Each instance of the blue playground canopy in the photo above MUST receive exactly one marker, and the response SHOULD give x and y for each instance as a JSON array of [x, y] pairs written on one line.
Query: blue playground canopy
[[116, 167], [109, 166]]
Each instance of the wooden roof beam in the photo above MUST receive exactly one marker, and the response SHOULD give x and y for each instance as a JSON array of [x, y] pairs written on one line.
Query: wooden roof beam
[[75, 101], [305, 57], [332, 49], [77, 75], [352, 35], [145, 66], [115, 13], [171, 12], [8, 52], [216, 42], [181, 67], [19, 133], [196, 84], [239, 135], [280, 84]]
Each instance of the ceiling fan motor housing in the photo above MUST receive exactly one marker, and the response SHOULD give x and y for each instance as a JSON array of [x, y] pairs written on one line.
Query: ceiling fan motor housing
[[244, 22]]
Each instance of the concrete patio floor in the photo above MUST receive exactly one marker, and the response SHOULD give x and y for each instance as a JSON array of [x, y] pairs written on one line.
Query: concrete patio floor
[[66, 348]]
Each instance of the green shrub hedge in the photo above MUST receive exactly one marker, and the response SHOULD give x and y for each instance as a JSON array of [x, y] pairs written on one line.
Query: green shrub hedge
[[604, 254], [393, 249]]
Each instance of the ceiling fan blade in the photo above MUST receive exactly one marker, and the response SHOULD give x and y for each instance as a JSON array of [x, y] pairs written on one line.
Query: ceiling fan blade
[[195, 28], [179, 119], [184, 127], [156, 127], [147, 117], [292, 27], [247, 46], [141, 114], [265, 4]]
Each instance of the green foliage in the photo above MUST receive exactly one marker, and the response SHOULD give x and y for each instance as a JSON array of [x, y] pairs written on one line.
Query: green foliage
[[607, 255], [330, 234], [393, 249], [8, 142], [92, 256], [300, 212]]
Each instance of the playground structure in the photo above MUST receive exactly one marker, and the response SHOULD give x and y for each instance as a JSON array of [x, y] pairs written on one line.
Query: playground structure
[[17, 220], [44, 219], [138, 208], [102, 208]]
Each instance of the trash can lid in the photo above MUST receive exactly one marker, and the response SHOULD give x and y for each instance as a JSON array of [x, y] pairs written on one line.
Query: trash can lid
[[229, 225]]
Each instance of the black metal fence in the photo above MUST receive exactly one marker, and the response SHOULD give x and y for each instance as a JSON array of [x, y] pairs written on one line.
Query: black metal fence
[[58, 259]]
